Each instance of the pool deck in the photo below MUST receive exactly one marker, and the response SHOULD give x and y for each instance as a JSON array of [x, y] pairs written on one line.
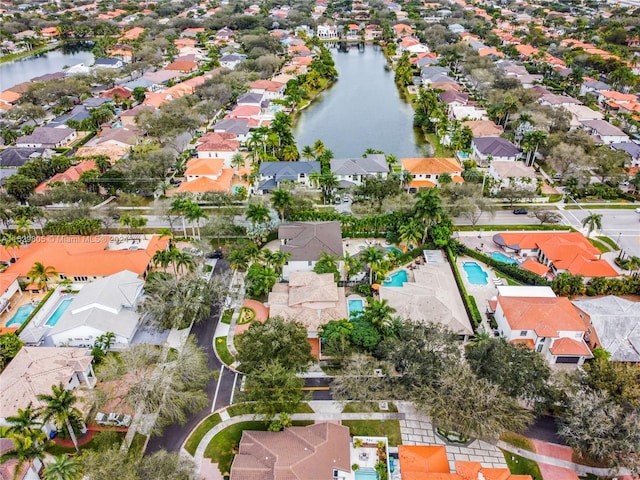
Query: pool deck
[[481, 293], [16, 302]]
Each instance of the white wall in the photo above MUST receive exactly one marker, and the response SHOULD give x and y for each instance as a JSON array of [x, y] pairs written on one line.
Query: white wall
[[11, 290], [298, 266]]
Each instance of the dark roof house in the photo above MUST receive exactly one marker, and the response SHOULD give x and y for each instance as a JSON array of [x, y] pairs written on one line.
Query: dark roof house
[[370, 165], [274, 173], [18, 156], [306, 241], [496, 147]]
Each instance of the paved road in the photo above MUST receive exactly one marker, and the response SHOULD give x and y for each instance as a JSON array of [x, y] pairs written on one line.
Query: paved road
[[319, 388], [500, 217], [621, 225], [174, 436], [544, 428]]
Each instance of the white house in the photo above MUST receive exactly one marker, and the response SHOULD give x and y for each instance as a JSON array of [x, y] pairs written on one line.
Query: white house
[[352, 171], [326, 32], [231, 60], [218, 145], [306, 241], [494, 149], [33, 372], [605, 131], [9, 286], [550, 325], [467, 112], [106, 305], [46, 137], [512, 173]]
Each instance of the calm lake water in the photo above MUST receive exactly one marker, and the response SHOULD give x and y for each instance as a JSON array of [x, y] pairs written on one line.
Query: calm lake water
[[363, 109], [51, 62]]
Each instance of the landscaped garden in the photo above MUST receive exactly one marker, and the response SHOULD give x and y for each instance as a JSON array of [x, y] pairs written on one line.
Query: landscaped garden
[[223, 351], [376, 428]]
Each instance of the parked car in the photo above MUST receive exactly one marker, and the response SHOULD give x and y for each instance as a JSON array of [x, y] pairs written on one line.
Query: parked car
[[214, 254], [520, 211]]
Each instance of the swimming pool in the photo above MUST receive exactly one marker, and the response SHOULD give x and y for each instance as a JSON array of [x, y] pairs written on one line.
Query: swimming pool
[[60, 309], [366, 474], [396, 279], [22, 313], [393, 249], [356, 306], [475, 273], [501, 257]]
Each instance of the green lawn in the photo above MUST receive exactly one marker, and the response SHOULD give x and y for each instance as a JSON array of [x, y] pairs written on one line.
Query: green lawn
[[357, 407], [195, 438], [247, 409], [499, 228], [376, 428], [518, 440], [599, 245], [226, 316], [221, 447], [609, 242], [99, 440], [223, 351], [137, 444], [522, 466], [439, 151], [510, 281]]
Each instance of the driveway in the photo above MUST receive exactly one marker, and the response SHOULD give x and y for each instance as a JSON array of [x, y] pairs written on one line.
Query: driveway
[[175, 435]]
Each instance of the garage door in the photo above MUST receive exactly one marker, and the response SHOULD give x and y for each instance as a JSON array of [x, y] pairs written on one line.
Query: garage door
[[567, 359]]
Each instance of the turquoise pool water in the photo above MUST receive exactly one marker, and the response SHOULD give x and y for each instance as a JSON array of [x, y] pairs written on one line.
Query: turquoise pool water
[[356, 306], [501, 257], [21, 315], [366, 474], [396, 250], [60, 309], [475, 273], [396, 280]]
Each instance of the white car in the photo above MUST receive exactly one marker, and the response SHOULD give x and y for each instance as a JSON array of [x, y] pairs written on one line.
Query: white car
[[637, 210]]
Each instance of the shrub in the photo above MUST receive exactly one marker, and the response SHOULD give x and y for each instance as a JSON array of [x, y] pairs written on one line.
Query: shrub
[[512, 271]]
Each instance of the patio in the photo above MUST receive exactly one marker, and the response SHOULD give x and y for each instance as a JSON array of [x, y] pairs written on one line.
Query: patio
[[367, 452]]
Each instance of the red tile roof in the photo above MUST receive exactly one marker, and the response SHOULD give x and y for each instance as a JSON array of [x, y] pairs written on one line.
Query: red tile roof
[[569, 346], [546, 316]]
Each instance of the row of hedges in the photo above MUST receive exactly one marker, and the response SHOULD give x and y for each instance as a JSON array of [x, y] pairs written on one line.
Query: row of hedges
[[512, 271], [35, 312], [469, 302]]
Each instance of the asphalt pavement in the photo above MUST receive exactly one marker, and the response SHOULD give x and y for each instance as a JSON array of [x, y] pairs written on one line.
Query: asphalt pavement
[[175, 435]]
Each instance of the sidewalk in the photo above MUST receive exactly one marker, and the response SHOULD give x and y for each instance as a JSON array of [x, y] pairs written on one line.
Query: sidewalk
[[417, 429]]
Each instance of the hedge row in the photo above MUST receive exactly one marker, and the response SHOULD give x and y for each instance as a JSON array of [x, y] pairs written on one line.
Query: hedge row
[[517, 273], [35, 311], [469, 302]]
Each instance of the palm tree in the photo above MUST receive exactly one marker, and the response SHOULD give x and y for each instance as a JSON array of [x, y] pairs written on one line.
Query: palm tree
[[183, 259], [318, 148], [195, 213], [60, 408], [307, 152], [23, 224], [281, 199], [350, 265], [328, 181], [237, 160], [371, 256], [239, 260], [290, 153], [592, 221], [63, 468], [411, 234], [379, 313], [26, 448], [429, 209], [40, 274], [25, 422], [257, 213]]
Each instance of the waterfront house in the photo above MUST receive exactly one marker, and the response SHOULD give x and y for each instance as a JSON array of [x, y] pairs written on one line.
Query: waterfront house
[[306, 241], [425, 172], [272, 174], [269, 89], [352, 171], [112, 63]]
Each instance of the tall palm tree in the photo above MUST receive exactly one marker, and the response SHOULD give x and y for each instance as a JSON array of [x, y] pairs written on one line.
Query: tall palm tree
[[195, 213], [411, 234], [350, 265], [290, 153], [281, 199], [25, 422], [429, 209], [63, 467], [328, 181], [60, 409], [307, 152], [12, 243], [26, 448], [592, 221], [183, 260], [23, 224], [40, 274], [318, 148], [379, 313], [239, 260], [237, 161], [371, 256], [257, 213], [279, 260]]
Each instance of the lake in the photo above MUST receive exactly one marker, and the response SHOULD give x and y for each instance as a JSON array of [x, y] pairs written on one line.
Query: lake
[[363, 109], [27, 68]]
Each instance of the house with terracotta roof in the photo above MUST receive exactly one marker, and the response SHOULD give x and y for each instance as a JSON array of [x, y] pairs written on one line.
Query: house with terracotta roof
[[84, 258], [310, 298], [71, 174], [182, 66], [116, 92], [132, 34], [318, 451], [11, 469], [483, 128], [217, 145], [9, 97], [430, 462], [614, 97], [34, 370], [426, 171], [49, 32], [559, 251], [206, 175], [269, 89], [402, 30]]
